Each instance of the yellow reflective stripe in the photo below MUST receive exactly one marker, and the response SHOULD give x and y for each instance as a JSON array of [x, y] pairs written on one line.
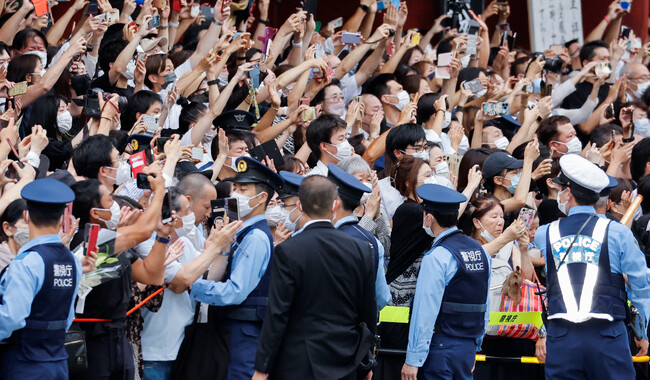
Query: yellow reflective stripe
[[394, 314], [534, 360], [529, 360], [516, 318], [480, 357], [640, 359]]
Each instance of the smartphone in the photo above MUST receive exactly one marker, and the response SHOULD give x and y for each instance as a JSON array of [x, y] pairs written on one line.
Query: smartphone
[[309, 114], [255, 76], [625, 31], [549, 90], [151, 123], [90, 237], [454, 163], [613, 137], [472, 37], [166, 212], [603, 68], [155, 22], [100, 17], [207, 12], [67, 213], [197, 153], [141, 181], [11, 172], [222, 207], [160, 4], [502, 7], [351, 38], [626, 5], [496, 109], [93, 8], [195, 10], [336, 23], [526, 217], [609, 111], [415, 40], [18, 89], [474, 85], [160, 143], [380, 5]]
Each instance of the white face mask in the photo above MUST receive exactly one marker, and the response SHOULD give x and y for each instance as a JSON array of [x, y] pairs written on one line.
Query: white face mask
[[337, 109], [485, 234], [501, 142], [130, 70], [574, 146], [427, 229], [208, 137], [116, 213], [64, 121], [21, 237], [188, 225], [642, 126], [40, 54], [274, 215], [343, 150], [442, 169], [561, 206], [430, 181], [286, 219], [223, 80], [123, 174], [465, 60], [243, 203], [641, 87], [365, 196], [423, 154], [402, 99], [111, 177]]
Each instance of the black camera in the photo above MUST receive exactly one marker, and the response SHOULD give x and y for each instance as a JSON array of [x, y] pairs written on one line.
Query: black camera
[[91, 103], [553, 65]]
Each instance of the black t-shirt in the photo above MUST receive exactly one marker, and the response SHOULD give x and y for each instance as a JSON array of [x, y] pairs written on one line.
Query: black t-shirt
[[548, 211], [105, 85], [580, 95]]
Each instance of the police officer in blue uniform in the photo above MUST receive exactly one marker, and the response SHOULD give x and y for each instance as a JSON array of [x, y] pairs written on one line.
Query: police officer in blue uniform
[[350, 191], [586, 258], [289, 196], [450, 308], [38, 290], [242, 294]]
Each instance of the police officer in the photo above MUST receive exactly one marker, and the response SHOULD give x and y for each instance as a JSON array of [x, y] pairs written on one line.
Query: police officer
[[289, 195], [38, 290], [242, 294], [451, 294], [350, 191], [586, 258]]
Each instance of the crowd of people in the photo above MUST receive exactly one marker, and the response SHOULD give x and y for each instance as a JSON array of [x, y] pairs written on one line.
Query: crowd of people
[[190, 191]]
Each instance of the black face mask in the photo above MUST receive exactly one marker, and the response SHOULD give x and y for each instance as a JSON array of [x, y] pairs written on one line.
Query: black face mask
[[80, 84], [200, 98]]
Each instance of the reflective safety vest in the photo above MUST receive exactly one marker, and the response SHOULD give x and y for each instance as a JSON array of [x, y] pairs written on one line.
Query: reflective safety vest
[[583, 287]]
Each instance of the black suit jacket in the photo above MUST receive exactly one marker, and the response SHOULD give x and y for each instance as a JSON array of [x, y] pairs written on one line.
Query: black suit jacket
[[322, 288]]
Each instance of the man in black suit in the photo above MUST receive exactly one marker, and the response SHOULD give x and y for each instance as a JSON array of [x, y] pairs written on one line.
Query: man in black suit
[[322, 309]]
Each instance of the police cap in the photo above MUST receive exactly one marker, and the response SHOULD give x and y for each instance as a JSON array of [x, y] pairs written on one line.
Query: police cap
[[236, 120], [349, 186], [47, 195], [139, 142], [249, 170], [291, 185], [578, 172], [437, 198]]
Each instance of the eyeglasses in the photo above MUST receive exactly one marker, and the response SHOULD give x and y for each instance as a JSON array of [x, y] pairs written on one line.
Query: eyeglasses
[[335, 99], [288, 206], [642, 78]]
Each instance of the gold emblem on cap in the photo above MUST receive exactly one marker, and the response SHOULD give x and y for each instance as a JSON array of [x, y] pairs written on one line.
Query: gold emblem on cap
[[242, 166], [134, 145]]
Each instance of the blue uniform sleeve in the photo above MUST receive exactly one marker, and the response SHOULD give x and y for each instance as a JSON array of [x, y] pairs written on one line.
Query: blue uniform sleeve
[[74, 296], [626, 257], [381, 287], [19, 285], [250, 261], [437, 269], [540, 239]]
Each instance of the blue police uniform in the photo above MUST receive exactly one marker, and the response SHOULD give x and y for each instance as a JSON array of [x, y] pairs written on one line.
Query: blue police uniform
[[349, 187], [37, 295], [242, 295], [586, 334], [450, 308]]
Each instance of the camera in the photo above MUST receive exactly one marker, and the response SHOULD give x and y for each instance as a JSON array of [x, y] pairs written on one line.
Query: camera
[[91, 103], [553, 65]]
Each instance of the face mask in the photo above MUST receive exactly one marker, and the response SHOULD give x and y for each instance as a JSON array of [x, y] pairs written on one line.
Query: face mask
[[402, 99], [423, 154], [365, 196], [208, 137], [641, 126], [514, 181], [465, 60], [501, 142], [223, 80], [574, 146], [188, 225], [641, 87], [481, 93], [442, 169], [427, 229], [130, 70], [328, 46], [111, 177], [343, 150], [274, 215], [337, 109], [123, 174], [21, 237], [64, 121], [286, 219], [41, 55], [485, 234], [169, 79], [561, 206], [430, 181], [244, 204], [115, 216]]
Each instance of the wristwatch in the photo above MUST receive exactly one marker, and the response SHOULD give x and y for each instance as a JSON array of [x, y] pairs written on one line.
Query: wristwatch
[[542, 332], [162, 240]]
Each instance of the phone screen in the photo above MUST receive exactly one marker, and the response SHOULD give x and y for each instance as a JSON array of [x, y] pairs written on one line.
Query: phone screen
[[167, 208]]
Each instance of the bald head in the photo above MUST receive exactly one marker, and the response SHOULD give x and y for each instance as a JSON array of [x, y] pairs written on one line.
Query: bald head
[[194, 185], [636, 72], [317, 194]]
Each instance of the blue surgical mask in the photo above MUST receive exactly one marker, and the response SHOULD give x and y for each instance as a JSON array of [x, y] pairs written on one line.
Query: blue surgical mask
[[514, 181]]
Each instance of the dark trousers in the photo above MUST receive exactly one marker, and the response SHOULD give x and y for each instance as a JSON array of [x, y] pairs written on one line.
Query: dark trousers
[[596, 349], [16, 366], [449, 358], [243, 345], [109, 357]]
